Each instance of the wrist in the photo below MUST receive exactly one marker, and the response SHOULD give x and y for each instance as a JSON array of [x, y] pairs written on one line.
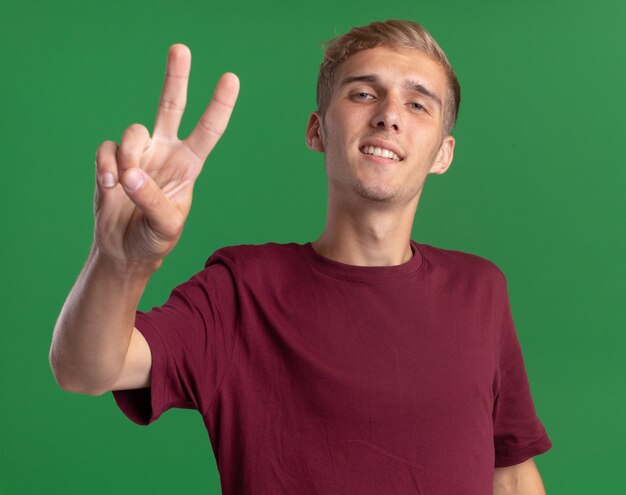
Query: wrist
[[122, 267]]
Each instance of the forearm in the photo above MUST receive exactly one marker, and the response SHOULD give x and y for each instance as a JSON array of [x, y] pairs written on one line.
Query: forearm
[[143, 195], [521, 479], [93, 332], [532, 489]]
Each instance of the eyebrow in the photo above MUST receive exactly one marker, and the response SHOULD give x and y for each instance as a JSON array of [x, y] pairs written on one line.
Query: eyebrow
[[409, 84]]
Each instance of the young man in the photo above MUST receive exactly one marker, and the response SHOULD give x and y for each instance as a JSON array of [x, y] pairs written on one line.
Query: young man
[[363, 362]]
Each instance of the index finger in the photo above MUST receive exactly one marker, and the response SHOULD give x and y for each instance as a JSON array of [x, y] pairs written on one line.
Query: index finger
[[174, 93], [215, 118]]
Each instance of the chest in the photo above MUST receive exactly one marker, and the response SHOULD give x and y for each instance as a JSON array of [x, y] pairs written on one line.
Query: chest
[[377, 353]]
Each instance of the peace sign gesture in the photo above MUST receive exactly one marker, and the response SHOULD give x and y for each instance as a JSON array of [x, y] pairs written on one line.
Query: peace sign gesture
[[145, 185]]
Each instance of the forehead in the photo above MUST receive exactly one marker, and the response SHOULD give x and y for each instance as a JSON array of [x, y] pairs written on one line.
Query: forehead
[[395, 65]]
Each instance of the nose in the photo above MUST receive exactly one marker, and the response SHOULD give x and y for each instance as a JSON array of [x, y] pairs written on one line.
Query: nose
[[387, 115]]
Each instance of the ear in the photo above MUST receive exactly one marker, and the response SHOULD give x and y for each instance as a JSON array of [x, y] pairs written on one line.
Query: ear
[[444, 156], [314, 134]]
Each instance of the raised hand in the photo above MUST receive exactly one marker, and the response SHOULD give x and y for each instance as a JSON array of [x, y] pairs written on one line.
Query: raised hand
[[145, 185]]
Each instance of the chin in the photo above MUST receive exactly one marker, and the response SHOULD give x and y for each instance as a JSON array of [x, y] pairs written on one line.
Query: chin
[[377, 194]]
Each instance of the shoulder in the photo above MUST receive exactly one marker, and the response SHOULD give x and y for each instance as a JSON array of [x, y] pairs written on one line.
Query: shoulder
[[254, 253], [250, 259], [461, 264]]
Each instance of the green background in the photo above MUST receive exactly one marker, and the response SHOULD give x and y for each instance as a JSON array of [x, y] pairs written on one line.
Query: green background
[[537, 186]]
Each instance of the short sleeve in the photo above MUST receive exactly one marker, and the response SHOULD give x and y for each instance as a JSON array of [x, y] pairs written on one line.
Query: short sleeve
[[191, 339], [518, 432]]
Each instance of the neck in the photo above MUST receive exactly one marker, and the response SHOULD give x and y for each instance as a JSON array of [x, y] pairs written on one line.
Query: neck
[[367, 235]]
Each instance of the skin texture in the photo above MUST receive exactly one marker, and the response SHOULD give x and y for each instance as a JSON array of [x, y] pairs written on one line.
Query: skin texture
[[143, 195], [520, 479], [145, 184], [144, 192], [385, 109], [372, 200]]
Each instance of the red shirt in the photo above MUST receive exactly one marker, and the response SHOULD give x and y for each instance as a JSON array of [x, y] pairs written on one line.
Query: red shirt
[[316, 377]]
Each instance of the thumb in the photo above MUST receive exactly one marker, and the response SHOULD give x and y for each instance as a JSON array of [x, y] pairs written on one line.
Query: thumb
[[164, 217]]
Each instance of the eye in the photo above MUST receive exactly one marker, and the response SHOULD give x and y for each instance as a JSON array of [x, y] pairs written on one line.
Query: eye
[[362, 95], [416, 106]]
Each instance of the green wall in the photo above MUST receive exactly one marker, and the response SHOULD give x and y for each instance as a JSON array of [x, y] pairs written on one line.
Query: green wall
[[537, 186]]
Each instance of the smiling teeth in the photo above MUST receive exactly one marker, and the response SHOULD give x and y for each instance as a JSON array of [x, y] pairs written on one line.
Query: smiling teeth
[[371, 150]]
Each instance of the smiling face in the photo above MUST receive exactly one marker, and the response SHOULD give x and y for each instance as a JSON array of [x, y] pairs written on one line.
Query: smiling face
[[382, 132]]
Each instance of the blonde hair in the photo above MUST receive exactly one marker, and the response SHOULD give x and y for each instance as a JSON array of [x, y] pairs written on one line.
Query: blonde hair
[[391, 33]]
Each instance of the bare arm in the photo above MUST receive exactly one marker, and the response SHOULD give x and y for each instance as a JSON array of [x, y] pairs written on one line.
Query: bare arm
[[93, 332], [520, 479], [143, 195]]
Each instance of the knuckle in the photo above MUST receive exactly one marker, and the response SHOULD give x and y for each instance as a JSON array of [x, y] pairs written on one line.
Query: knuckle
[[136, 129], [134, 133], [134, 142], [171, 104], [105, 155], [172, 227], [103, 166], [104, 147], [222, 103], [124, 156], [208, 126]]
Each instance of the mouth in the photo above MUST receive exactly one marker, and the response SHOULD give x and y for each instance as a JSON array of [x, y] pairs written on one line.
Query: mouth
[[380, 151]]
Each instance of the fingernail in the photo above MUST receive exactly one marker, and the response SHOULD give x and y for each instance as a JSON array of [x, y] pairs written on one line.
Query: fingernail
[[107, 180], [134, 180]]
